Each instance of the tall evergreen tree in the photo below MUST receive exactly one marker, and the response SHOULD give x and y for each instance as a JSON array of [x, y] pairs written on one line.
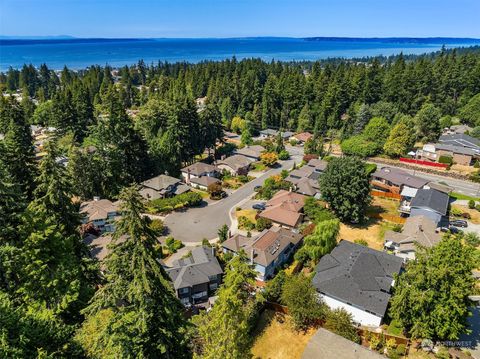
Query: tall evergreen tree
[[135, 314]]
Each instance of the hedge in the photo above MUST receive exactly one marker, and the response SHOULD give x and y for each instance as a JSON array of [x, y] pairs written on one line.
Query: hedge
[[183, 200], [445, 159]]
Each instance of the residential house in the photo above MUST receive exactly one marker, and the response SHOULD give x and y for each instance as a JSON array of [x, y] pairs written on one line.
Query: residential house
[[101, 213], [305, 178], [430, 203], [196, 277], [231, 137], [267, 251], [417, 230], [235, 165], [318, 165], [461, 140], [465, 156], [99, 246], [198, 169], [253, 152], [457, 129], [286, 135], [394, 180], [302, 137], [285, 209], [203, 182], [162, 186], [358, 279], [268, 133]]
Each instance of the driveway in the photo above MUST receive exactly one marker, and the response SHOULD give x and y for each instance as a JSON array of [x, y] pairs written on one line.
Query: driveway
[[198, 223]]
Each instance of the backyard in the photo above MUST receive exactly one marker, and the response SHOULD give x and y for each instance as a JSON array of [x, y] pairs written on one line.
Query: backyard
[[275, 338]]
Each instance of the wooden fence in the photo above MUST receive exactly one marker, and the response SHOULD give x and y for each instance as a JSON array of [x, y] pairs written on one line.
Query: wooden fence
[[388, 217], [385, 194]]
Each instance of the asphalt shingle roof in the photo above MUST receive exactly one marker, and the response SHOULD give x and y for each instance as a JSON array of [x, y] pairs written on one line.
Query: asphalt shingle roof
[[431, 198], [462, 140], [357, 275], [399, 177]]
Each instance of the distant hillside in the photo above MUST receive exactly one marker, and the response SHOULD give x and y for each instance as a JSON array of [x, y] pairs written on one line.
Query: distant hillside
[[401, 40]]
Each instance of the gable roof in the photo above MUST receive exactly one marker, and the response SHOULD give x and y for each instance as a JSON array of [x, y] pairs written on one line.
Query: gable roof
[[266, 247], [357, 275], [417, 229], [235, 162], [307, 187], [459, 139], [399, 177], [318, 164], [457, 149], [431, 198], [195, 269], [269, 132], [160, 182], [204, 180], [284, 208], [303, 136], [198, 168], [98, 209], [251, 151]]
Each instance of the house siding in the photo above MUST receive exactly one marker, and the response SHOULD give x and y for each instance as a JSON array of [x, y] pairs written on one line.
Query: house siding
[[358, 315]]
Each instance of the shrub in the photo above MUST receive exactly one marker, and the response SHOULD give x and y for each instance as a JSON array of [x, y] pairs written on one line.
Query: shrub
[[445, 159], [456, 212], [157, 226], [243, 179], [477, 207], [206, 243], [293, 142], [173, 245], [188, 199], [476, 164], [471, 204], [274, 287], [475, 177], [269, 158], [359, 146], [397, 228], [245, 224], [340, 322], [283, 155], [309, 157], [215, 190], [401, 349], [263, 223], [362, 242]]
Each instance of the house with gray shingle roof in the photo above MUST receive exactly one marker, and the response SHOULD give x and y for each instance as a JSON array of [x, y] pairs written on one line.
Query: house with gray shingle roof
[[196, 277], [162, 186], [357, 279], [430, 203]]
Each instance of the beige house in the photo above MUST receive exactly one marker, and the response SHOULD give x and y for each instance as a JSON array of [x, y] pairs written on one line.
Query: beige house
[[235, 165], [101, 213], [460, 155], [285, 209]]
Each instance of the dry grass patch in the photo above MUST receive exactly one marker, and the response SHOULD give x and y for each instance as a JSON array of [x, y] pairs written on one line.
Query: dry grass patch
[[474, 214], [249, 213], [276, 338], [384, 205], [373, 232]]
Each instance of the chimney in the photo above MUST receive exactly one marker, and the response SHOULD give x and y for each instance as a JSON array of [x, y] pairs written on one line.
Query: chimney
[[213, 251], [96, 198]]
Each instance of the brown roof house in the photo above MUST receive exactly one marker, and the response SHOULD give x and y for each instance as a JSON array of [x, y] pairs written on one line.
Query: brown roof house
[[418, 230], [162, 186], [285, 209], [203, 182], [235, 165], [302, 137], [100, 212], [267, 251]]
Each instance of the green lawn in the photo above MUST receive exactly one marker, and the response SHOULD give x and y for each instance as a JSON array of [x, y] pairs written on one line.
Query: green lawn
[[395, 329], [457, 195]]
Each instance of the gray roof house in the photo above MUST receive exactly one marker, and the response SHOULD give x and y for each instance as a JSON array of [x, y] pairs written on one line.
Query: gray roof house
[[418, 230], [236, 164], [252, 152], [358, 279], [287, 134], [196, 277], [430, 203], [162, 186], [268, 133], [393, 180], [461, 140]]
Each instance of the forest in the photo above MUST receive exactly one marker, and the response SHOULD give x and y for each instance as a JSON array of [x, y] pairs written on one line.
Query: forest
[[118, 127]]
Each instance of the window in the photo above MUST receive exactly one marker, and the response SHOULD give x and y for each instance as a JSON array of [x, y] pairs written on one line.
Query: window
[[212, 277], [213, 286], [185, 300], [183, 290]]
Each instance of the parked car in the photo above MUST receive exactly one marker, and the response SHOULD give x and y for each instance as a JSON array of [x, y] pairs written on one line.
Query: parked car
[[259, 206], [459, 223], [455, 230]]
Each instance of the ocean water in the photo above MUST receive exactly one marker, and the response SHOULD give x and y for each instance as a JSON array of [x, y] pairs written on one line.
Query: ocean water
[[80, 53]]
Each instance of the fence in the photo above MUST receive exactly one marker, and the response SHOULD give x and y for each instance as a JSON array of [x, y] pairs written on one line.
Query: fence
[[388, 217], [423, 163], [385, 194]]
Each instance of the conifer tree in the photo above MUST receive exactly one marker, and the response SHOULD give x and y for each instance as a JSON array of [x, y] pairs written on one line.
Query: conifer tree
[[135, 314]]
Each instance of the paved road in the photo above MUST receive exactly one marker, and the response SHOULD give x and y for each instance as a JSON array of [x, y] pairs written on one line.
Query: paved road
[[195, 224]]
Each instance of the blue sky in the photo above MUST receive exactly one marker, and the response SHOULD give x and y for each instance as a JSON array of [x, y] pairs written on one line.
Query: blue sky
[[231, 18]]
